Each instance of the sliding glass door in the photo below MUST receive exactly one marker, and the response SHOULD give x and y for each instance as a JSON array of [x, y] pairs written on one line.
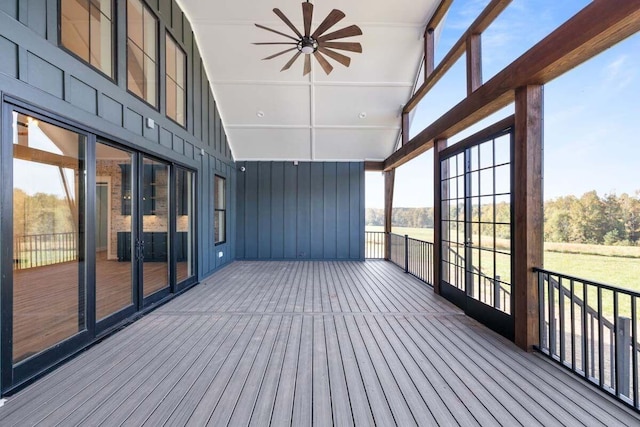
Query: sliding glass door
[[95, 232], [49, 196]]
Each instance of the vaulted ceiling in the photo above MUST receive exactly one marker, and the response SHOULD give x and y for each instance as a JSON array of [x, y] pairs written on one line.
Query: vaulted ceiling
[[351, 114]]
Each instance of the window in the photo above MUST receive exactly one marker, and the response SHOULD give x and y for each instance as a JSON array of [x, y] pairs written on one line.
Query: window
[[142, 51], [86, 29], [175, 81], [220, 214]]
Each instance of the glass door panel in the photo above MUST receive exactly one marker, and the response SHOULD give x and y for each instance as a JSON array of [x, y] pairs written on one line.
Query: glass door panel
[[184, 224], [49, 188], [114, 267], [476, 230], [154, 243]]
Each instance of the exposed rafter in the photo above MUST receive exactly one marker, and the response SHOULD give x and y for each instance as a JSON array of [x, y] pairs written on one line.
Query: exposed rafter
[[592, 30]]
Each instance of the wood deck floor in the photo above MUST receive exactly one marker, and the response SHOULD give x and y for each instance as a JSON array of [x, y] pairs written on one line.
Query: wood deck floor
[[310, 343]]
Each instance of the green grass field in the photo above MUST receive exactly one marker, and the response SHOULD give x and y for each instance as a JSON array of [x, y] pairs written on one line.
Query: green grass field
[[613, 265]]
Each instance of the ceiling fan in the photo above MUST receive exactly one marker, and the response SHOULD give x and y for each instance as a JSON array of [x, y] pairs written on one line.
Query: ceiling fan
[[317, 43]]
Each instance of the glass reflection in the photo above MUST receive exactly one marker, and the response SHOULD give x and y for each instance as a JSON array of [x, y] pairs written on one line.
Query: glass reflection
[[48, 235]]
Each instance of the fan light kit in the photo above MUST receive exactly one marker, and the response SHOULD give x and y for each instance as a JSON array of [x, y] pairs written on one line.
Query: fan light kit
[[317, 43]]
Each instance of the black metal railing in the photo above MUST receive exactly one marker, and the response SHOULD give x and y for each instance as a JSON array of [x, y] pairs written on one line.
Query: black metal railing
[[414, 256], [592, 329], [37, 250], [374, 244]]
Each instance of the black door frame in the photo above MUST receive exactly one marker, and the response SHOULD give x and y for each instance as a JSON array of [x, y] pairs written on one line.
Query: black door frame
[[497, 320], [14, 377]]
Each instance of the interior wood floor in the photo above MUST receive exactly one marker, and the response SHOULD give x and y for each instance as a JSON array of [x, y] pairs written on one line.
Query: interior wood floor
[[310, 343], [46, 299]]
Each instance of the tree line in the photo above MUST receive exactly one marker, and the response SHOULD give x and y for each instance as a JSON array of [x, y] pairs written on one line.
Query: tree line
[[608, 220]]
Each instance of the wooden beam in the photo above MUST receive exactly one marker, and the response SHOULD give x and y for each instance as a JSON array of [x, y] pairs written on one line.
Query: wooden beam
[[592, 30], [488, 15], [439, 14], [405, 128], [429, 53], [528, 218], [474, 63], [389, 178], [373, 166], [45, 157], [440, 192]]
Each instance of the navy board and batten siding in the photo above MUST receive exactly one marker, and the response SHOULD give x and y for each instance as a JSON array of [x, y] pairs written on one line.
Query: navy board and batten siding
[[312, 210], [40, 76]]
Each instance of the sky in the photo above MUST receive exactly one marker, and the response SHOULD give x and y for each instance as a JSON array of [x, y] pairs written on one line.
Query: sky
[[592, 113]]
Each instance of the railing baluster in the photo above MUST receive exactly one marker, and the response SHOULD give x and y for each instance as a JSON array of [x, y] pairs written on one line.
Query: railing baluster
[[573, 325], [585, 352], [600, 338], [561, 314], [634, 349]]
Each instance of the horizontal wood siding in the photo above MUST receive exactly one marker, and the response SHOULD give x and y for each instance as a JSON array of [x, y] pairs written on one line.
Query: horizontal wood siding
[[313, 210]]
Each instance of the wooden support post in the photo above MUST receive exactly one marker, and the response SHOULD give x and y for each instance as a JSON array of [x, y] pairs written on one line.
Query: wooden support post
[[439, 192], [405, 128], [474, 62], [389, 178], [429, 52], [528, 212]]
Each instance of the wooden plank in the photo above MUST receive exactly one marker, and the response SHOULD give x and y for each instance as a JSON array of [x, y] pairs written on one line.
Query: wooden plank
[[482, 22], [474, 62], [373, 389], [429, 53], [439, 14], [405, 128], [283, 406], [528, 229], [303, 397], [370, 166], [322, 396], [339, 393], [594, 29], [396, 400], [268, 387]]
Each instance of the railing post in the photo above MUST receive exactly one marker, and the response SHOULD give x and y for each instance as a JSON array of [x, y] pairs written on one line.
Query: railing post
[[623, 344], [496, 292], [406, 253]]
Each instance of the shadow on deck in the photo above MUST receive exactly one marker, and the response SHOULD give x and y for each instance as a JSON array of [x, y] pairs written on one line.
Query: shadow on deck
[[301, 343]]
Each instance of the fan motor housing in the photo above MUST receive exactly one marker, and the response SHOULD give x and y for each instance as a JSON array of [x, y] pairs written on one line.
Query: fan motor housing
[[307, 45]]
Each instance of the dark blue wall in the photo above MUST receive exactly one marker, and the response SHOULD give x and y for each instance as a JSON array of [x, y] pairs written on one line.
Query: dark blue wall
[[34, 69], [309, 211]]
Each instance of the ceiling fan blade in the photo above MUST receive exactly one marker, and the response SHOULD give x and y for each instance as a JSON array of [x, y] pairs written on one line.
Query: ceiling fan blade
[[291, 61], [307, 65], [323, 62], [286, 21], [277, 32], [351, 47], [307, 14], [279, 53], [332, 19], [266, 43], [344, 60], [350, 31]]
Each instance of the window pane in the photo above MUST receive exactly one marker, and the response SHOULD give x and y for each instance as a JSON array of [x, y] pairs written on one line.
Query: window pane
[[219, 193], [134, 22], [219, 227], [135, 73], [181, 59], [171, 57], [220, 213], [150, 34], [180, 106], [184, 224], [113, 230], [101, 42], [171, 99], [104, 6], [155, 226], [150, 80], [49, 187], [74, 27]]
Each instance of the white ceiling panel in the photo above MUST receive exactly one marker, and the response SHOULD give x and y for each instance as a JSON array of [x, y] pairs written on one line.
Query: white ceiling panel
[[264, 105], [273, 115], [271, 144], [344, 105], [354, 144]]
